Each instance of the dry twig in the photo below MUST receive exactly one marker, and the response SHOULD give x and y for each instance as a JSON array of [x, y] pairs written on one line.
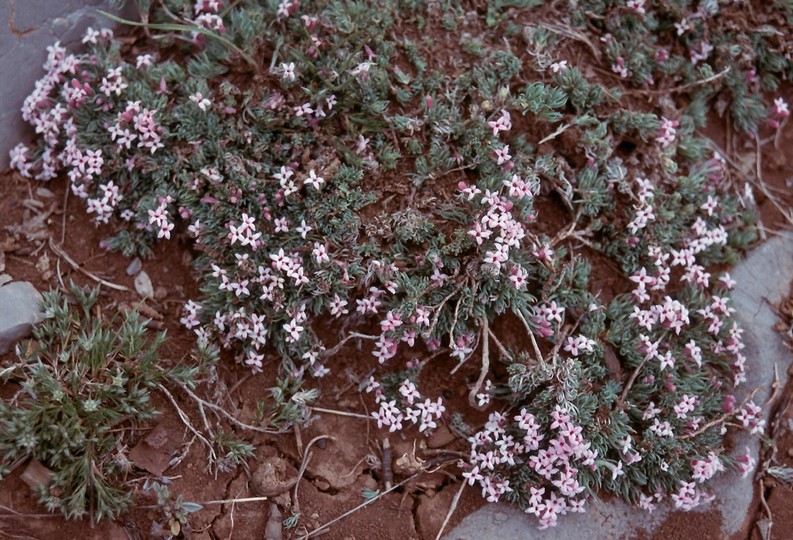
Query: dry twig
[[452, 508], [62, 254]]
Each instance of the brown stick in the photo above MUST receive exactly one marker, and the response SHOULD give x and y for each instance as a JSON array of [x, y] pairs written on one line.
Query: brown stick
[[388, 473]]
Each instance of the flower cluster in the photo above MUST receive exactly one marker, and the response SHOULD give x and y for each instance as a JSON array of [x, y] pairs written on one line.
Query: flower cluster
[[411, 408], [555, 454], [512, 193]]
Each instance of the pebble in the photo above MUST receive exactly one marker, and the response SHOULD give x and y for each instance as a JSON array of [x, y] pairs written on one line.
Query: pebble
[[143, 285], [21, 309], [36, 475], [134, 267], [441, 437], [161, 293], [44, 192]]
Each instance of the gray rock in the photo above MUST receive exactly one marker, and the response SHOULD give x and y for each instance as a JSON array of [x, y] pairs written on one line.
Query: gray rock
[[134, 267], [29, 27], [143, 285], [20, 309], [763, 280]]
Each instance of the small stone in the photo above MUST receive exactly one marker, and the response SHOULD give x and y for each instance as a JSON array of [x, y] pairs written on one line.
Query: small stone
[[5, 278], [143, 285], [441, 437], [44, 192], [36, 474], [134, 267], [153, 454], [322, 485], [161, 293], [21, 309]]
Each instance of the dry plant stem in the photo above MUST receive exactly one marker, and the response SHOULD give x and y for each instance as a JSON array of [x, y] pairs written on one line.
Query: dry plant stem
[[388, 474], [59, 251], [718, 420], [439, 307], [555, 134], [298, 441], [531, 335], [485, 364], [766, 508], [15, 514], [186, 421], [776, 388], [223, 412], [202, 503], [452, 508], [573, 34], [629, 384], [341, 413], [499, 345], [322, 528], [303, 466], [239, 383], [758, 181], [681, 88], [348, 337]]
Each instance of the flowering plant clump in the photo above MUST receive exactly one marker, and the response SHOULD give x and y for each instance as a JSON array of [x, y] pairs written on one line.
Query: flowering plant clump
[[376, 173]]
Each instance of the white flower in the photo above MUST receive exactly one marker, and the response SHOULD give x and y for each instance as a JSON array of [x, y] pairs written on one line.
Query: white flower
[[288, 71], [315, 181], [202, 102], [557, 67]]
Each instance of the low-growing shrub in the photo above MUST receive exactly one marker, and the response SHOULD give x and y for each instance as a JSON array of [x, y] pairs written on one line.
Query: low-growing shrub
[[81, 380], [436, 177]]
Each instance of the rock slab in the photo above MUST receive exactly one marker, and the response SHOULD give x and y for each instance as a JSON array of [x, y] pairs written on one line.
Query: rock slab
[[27, 28], [764, 279], [20, 309]]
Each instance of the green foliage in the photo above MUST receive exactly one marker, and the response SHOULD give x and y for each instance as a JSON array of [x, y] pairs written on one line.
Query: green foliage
[[81, 380], [433, 173]]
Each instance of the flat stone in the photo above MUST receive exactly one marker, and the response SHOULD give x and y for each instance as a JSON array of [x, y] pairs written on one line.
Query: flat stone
[[441, 437], [134, 267], [36, 474], [143, 285], [29, 27], [20, 309], [153, 453], [763, 280]]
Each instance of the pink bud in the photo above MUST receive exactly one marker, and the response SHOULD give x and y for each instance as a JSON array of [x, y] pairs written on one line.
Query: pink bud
[[728, 405]]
